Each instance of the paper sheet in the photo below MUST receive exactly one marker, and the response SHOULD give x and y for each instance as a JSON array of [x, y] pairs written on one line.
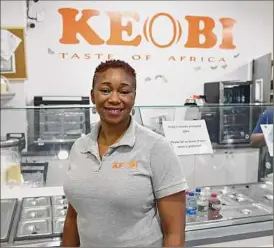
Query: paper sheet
[[188, 137], [268, 135], [8, 66], [9, 44]]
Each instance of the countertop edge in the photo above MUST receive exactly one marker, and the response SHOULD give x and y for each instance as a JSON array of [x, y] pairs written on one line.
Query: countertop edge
[[21, 192]]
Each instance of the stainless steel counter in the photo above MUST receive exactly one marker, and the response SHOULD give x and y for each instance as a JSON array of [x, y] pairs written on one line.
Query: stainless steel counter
[[37, 222], [247, 212]]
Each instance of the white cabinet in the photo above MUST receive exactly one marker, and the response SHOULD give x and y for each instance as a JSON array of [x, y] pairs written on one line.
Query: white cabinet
[[189, 169], [226, 166], [210, 169], [243, 166]]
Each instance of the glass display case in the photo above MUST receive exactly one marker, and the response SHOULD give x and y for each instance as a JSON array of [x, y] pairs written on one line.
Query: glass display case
[[57, 123], [59, 126], [240, 175]]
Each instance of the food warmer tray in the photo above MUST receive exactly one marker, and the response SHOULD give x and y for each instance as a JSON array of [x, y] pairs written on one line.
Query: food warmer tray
[[8, 207]]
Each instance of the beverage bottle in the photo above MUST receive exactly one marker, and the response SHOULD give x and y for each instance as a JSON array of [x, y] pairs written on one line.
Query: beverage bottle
[[243, 98], [197, 192], [191, 211], [202, 206], [206, 190], [239, 98], [214, 207], [186, 195]]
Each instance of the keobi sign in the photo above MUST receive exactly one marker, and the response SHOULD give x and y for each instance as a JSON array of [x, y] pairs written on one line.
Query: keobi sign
[[198, 36], [71, 26]]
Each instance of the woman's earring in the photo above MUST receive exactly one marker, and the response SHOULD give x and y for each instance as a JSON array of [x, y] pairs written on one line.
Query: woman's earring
[[93, 110], [133, 111]]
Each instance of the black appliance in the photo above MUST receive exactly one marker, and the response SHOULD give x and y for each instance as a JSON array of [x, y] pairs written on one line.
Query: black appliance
[[211, 117], [235, 116], [228, 92], [235, 124], [58, 122]]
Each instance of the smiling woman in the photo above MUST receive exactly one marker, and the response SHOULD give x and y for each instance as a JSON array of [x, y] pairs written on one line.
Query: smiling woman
[[115, 192], [114, 89]]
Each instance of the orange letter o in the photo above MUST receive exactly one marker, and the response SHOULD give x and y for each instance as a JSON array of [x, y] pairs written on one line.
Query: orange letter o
[[174, 30]]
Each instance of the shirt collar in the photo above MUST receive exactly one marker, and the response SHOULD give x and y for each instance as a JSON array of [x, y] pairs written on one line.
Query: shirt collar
[[128, 138]]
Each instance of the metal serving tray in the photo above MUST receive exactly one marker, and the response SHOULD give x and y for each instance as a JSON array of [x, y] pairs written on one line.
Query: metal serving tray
[[266, 199], [31, 202], [260, 187], [223, 190], [58, 226], [244, 211], [59, 211], [230, 196], [8, 207], [259, 193], [237, 199], [32, 229], [36, 213], [59, 200]]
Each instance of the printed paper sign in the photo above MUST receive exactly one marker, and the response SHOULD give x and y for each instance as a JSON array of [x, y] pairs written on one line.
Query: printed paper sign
[[9, 43], [268, 135], [188, 137]]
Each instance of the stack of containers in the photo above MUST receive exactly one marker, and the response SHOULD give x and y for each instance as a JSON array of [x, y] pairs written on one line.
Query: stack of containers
[[41, 217], [59, 209], [35, 219]]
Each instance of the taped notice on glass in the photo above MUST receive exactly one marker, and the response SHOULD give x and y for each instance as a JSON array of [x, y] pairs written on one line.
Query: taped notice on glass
[[268, 136], [188, 137]]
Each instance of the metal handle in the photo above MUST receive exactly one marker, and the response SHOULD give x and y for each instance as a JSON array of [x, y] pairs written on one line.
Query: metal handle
[[10, 135], [21, 138]]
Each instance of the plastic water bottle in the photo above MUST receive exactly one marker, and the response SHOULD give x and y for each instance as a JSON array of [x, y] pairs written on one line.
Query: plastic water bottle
[[191, 211], [186, 195], [202, 206], [197, 192], [207, 190]]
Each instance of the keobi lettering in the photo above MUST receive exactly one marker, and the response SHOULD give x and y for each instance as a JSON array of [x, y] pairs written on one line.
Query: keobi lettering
[[71, 27], [197, 37]]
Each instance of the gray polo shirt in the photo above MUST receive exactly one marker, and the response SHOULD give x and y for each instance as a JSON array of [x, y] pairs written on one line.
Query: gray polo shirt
[[115, 197]]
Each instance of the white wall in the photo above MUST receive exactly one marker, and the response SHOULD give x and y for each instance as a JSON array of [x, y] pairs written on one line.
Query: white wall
[[50, 75], [242, 73], [13, 14]]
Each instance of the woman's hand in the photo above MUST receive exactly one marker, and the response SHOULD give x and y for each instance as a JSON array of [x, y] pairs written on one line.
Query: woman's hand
[[172, 214], [257, 140], [70, 232]]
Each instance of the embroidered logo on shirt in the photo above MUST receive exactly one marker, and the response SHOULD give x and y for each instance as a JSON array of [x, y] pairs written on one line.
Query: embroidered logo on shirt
[[129, 165]]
